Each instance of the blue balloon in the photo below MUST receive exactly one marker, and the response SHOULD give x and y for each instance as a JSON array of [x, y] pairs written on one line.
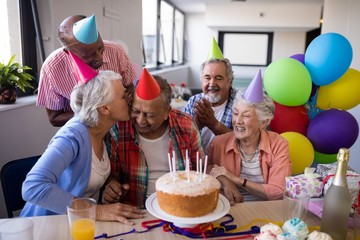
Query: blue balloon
[[331, 130], [328, 57]]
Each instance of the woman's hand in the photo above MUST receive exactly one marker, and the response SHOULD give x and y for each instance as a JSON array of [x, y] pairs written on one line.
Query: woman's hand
[[230, 190], [118, 212]]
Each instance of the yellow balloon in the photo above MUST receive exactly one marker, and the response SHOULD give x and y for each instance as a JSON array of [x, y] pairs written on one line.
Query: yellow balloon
[[343, 94], [301, 151]]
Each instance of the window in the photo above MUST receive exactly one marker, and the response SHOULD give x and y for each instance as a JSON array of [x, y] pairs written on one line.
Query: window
[[247, 48], [17, 24], [163, 34]]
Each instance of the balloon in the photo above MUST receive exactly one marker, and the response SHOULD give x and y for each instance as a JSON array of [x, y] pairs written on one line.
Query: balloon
[[344, 93], [328, 57], [331, 130], [289, 119], [301, 151], [323, 158], [287, 81], [300, 57]]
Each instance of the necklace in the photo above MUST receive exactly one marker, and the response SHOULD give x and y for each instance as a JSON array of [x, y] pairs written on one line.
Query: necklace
[[247, 157]]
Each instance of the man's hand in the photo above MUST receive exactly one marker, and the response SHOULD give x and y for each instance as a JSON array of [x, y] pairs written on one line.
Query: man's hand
[[118, 212], [114, 191], [204, 114], [230, 190]]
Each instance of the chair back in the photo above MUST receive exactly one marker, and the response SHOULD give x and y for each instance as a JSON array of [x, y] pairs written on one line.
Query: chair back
[[12, 175]]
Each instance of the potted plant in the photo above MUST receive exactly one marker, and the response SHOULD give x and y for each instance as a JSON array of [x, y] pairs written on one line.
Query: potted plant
[[12, 76]]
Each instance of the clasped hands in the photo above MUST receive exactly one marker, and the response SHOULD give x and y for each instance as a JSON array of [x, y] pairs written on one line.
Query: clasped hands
[[112, 209], [227, 180], [204, 114]]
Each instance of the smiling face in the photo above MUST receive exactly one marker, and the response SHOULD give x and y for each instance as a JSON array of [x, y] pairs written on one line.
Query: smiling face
[[246, 123], [149, 116], [215, 83]]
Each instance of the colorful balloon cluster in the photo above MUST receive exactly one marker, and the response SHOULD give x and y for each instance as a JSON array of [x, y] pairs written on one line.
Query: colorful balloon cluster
[[312, 92]]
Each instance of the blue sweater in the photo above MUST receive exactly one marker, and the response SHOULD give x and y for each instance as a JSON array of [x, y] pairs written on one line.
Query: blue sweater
[[62, 172]]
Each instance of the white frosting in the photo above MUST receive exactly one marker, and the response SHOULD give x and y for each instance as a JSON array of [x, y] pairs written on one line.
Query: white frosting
[[180, 185], [266, 235], [296, 228], [315, 235], [273, 228]]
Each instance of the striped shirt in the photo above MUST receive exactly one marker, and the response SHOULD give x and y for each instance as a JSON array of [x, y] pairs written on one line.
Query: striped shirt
[[57, 75], [128, 159], [226, 118]]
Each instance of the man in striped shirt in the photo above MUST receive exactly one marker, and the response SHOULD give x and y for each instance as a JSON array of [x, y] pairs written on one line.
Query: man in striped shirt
[[57, 74]]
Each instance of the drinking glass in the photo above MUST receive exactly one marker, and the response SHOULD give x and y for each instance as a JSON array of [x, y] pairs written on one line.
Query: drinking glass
[[16, 228], [295, 206], [81, 215]]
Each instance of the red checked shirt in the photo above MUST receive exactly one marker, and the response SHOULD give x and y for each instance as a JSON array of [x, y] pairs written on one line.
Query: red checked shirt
[[57, 75], [128, 160]]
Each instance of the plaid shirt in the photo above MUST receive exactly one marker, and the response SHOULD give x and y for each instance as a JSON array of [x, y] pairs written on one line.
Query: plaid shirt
[[128, 160], [227, 116]]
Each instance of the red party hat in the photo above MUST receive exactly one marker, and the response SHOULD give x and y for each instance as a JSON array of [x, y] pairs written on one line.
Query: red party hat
[[147, 87], [84, 72]]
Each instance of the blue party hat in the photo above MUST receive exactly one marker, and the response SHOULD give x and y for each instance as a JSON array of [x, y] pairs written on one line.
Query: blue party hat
[[85, 30], [254, 92]]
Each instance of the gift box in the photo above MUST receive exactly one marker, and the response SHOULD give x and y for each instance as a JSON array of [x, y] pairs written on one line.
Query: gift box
[[306, 183], [327, 171]]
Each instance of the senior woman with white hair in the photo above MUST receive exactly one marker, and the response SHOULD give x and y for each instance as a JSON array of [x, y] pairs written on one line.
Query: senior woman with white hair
[[250, 162], [75, 163]]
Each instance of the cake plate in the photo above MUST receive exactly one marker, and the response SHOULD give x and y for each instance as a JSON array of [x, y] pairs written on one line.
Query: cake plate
[[154, 209]]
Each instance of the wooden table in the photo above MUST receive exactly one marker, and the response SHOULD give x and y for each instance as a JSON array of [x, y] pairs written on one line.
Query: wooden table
[[56, 227]]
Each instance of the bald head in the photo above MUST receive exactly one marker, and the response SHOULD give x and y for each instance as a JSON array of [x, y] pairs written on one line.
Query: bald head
[[65, 30]]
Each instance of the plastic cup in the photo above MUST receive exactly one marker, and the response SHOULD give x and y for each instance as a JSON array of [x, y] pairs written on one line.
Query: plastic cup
[[295, 206], [17, 228], [81, 215]]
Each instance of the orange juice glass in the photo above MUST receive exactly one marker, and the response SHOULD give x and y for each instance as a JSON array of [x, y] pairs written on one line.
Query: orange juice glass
[[81, 215]]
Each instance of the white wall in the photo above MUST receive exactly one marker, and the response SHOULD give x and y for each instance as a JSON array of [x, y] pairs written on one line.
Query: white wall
[[343, 17]]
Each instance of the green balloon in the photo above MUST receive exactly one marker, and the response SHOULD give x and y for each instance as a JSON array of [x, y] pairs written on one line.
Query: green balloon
[[323, 158], [288, 82]]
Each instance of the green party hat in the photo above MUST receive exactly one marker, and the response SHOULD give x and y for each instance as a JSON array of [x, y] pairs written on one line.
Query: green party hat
[[215, 51]]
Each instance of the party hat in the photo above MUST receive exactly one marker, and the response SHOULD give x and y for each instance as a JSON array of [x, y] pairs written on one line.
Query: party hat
[[147, 87], [215, 51], [84, 72], [254, 92], [85, 30]]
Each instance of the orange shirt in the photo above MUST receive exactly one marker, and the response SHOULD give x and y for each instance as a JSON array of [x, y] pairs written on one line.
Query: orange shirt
[[274, 159]]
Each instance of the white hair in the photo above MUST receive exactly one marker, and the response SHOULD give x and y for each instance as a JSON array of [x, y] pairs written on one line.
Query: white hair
[[86, 98]]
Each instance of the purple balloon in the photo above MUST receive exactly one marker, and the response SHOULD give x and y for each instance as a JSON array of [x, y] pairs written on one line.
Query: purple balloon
[[300, 57], [331, 130]]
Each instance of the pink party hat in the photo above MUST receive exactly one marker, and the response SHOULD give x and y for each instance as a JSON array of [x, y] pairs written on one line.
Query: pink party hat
[[147, 87], [84, 73], [215, 51], [85, 30], [254, 92]]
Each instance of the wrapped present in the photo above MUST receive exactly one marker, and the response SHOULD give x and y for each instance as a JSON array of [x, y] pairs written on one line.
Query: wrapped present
[[307, 183], [327, 172]]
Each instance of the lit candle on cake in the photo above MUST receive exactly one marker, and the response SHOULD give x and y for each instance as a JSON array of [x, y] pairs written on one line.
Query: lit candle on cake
[[169, 160], [205, 164], [197, 162], [174, 166]]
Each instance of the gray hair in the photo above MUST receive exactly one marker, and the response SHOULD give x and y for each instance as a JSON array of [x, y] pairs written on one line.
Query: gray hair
[[264, 109], [165, 90], [86, 98], [229, 71]]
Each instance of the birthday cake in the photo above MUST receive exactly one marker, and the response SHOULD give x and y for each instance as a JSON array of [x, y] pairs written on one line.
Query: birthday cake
[[187, 195]]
